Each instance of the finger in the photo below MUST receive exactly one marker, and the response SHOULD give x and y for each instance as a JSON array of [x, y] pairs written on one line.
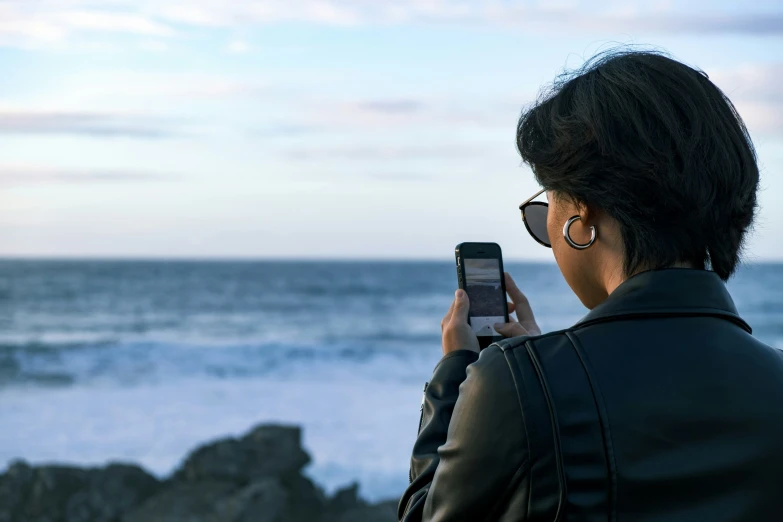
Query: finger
[[511, 307], [461, 307], [510, 329], [447, 317], [521, 304]]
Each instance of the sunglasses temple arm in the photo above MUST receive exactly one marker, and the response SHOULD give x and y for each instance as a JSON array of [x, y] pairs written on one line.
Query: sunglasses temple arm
[[532, 198]]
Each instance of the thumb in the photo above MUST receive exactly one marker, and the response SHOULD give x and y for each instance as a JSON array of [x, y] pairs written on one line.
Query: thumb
[[461, 306], [512, 329]]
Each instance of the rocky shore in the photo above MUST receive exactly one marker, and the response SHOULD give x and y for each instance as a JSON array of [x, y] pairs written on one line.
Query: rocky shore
[[255, 478]]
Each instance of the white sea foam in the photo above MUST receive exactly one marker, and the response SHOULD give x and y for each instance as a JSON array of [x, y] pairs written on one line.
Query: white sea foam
[[354, 428]]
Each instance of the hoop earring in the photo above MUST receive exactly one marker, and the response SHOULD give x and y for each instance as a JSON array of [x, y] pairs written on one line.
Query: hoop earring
[[567, 234]]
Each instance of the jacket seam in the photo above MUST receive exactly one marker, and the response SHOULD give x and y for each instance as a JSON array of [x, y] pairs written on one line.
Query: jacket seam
[[525, 461], [521, 340], [553, 425], [514, 377], [631, 316], [603, 419], [505, 346], [409, 505]]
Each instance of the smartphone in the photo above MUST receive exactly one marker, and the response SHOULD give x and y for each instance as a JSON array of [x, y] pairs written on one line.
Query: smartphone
[[480, 274]]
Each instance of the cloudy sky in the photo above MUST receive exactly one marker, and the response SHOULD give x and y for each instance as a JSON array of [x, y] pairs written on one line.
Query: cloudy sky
[[322, 128]]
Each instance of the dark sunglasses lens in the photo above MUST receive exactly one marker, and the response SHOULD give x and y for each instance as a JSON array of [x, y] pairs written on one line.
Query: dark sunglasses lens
[[535, 217]]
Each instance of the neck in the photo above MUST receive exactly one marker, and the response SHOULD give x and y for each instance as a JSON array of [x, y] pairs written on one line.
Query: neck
[[615, 275]]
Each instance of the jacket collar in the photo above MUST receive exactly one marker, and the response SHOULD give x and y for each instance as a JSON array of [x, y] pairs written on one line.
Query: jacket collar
[[669, 291]]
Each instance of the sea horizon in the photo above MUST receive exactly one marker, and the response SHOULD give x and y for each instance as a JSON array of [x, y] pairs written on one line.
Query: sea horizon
[[272, 259]]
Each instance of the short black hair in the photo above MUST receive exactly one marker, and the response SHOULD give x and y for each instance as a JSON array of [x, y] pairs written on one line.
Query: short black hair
[[656, 145]]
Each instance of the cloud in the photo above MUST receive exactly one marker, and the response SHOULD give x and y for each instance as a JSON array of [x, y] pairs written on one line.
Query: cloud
[[389, 153], [35, 23], [83, 123], [755, 89], [755, 81], [283, 130], [761, 118], [26, 174], [392, 106], [235, 12], [442, 113], [111, 22], [439, 116], [548, 16], [111, 85], [31, 23], [154, 46], [747, 23], [405, 176], [237, 47], [558, 15]]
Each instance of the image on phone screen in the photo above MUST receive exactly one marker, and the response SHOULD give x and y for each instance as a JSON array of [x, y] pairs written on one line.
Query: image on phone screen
[[487, 302]]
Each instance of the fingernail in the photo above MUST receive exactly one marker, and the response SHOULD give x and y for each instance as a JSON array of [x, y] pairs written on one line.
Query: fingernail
[[459, 294]]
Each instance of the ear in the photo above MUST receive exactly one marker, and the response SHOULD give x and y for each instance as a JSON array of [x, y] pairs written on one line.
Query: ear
[[588, 214]]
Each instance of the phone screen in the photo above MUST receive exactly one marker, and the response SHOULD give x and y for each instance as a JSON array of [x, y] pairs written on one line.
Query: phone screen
[[487, 302]]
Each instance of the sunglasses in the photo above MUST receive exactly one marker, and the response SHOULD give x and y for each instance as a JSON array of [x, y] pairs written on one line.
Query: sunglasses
[[534, 216]]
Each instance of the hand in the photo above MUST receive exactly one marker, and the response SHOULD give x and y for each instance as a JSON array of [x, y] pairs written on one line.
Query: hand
[[526, 323], [457, 333]]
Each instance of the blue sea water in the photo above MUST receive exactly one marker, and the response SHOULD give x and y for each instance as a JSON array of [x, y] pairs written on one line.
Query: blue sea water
[[142, 361]]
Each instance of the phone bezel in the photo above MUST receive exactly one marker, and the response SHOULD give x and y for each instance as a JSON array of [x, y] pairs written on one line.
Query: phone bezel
[[481, 251]]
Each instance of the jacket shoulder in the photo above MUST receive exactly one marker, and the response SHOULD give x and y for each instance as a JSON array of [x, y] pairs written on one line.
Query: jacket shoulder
[[513, 343], [493, 367]]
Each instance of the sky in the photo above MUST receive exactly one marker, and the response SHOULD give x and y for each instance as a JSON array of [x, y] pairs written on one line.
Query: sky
[[323, 128]]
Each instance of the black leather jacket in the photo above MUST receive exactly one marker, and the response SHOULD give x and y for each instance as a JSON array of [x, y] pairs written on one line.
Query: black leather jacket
[[658, 405]]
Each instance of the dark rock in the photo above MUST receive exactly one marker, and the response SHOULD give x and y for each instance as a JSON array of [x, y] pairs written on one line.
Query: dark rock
[[109, 492], [68, 494], [383, 512], [14, 486], [256, 478], [306, 500], [263, 501], [253, 478], [345, 498], [184, 502], [389, 504], [267, 451], [346, 506]]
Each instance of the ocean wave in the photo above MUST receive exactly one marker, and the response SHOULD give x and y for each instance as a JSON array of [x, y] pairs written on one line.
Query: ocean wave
[[129, 363]]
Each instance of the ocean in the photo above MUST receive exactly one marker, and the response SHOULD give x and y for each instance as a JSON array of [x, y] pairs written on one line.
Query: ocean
[[143, 360]]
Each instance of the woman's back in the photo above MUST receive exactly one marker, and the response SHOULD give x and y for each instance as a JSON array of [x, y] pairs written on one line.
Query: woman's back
[[658, 405], [687, 407]]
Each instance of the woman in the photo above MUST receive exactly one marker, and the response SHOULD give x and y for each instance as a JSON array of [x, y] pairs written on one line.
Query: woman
[[658, 404]]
